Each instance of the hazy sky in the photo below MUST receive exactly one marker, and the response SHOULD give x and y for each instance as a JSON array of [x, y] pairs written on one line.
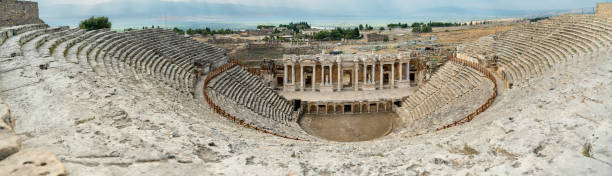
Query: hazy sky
[[245, 10]]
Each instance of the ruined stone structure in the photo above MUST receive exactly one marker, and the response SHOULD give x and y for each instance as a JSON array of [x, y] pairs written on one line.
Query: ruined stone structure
[[375, 37], [349, 107], [604, 9], [347, 72], [150, 101], [16, 12]]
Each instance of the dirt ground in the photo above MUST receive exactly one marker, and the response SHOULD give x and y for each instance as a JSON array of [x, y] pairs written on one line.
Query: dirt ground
[[350, 127], [463, 35]]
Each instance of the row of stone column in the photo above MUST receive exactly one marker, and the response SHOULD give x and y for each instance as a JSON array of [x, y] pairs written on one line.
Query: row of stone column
[[368, 75], [355, 107]]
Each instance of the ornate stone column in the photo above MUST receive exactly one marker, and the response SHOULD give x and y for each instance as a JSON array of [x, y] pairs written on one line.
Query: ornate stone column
[[408, 72], [285, 75], [314, 77], [301, 77], [322, 74], [381, 75], [339, 77], [392, 75], [355, 82], [399, 73], [365, 74], [372, 73], [293, 74], [330, 75]]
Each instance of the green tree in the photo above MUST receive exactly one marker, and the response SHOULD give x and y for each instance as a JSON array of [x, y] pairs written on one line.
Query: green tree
[[190, 31], [381, 28], [323, 35], [336, 34], [421, 28], [264, 26], [94, 23], [178, 31], [361, 27], [296, 27]]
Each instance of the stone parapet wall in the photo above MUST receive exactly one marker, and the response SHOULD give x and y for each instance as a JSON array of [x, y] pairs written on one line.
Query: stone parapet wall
[[14, 12], [604, 10]]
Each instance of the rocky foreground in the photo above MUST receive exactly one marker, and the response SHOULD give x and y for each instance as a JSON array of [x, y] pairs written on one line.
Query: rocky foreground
[[558, 124]]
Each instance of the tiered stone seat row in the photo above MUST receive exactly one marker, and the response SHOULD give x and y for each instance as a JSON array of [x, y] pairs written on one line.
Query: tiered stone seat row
[[12, 45], [50, 48], [5, 33], [538, 47], [249, 91], [176, 60], [452, 93], [482, 46], [160, 53], [71, 46], [240, 96]]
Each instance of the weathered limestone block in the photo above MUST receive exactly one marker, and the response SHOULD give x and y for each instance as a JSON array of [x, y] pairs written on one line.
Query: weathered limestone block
[[604, 10], [5, 128], [32, 162], [6, 123], [9, 144]]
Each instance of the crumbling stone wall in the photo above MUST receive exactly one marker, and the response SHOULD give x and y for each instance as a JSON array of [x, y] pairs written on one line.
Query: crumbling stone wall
[[374, 37], [14, 12], [604, 9]]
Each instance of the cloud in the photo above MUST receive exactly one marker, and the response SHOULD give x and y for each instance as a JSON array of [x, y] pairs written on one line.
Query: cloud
[[175, 0], [75, 2], [212, 18]]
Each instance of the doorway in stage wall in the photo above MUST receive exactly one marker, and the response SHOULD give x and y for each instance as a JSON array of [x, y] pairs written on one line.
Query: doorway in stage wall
[[347, 109], [386, 79], [280, 82], [347, 79], [308, 82]]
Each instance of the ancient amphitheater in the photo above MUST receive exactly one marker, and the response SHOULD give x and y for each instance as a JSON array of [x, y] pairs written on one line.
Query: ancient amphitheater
[[535, 100]]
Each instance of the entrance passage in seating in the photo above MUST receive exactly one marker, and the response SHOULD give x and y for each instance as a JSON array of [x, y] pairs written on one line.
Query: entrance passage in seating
[[350, 127]]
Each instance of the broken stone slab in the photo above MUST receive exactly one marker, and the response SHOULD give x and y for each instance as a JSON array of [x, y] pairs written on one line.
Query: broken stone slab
[[5, 128], [4, 118], [32, 162], [9, 144], [6, 123]]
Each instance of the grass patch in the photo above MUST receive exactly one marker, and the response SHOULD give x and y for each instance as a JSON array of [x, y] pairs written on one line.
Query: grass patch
[[78, 122], [504, 153], [465, 150], [41, 44], [586, 150], [52, 48], [469, 150]]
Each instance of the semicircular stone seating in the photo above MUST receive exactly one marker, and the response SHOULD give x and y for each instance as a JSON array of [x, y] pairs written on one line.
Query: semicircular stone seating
[[451, 94], [246, 97], [157, 52], [175, 60], [539, 47]]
